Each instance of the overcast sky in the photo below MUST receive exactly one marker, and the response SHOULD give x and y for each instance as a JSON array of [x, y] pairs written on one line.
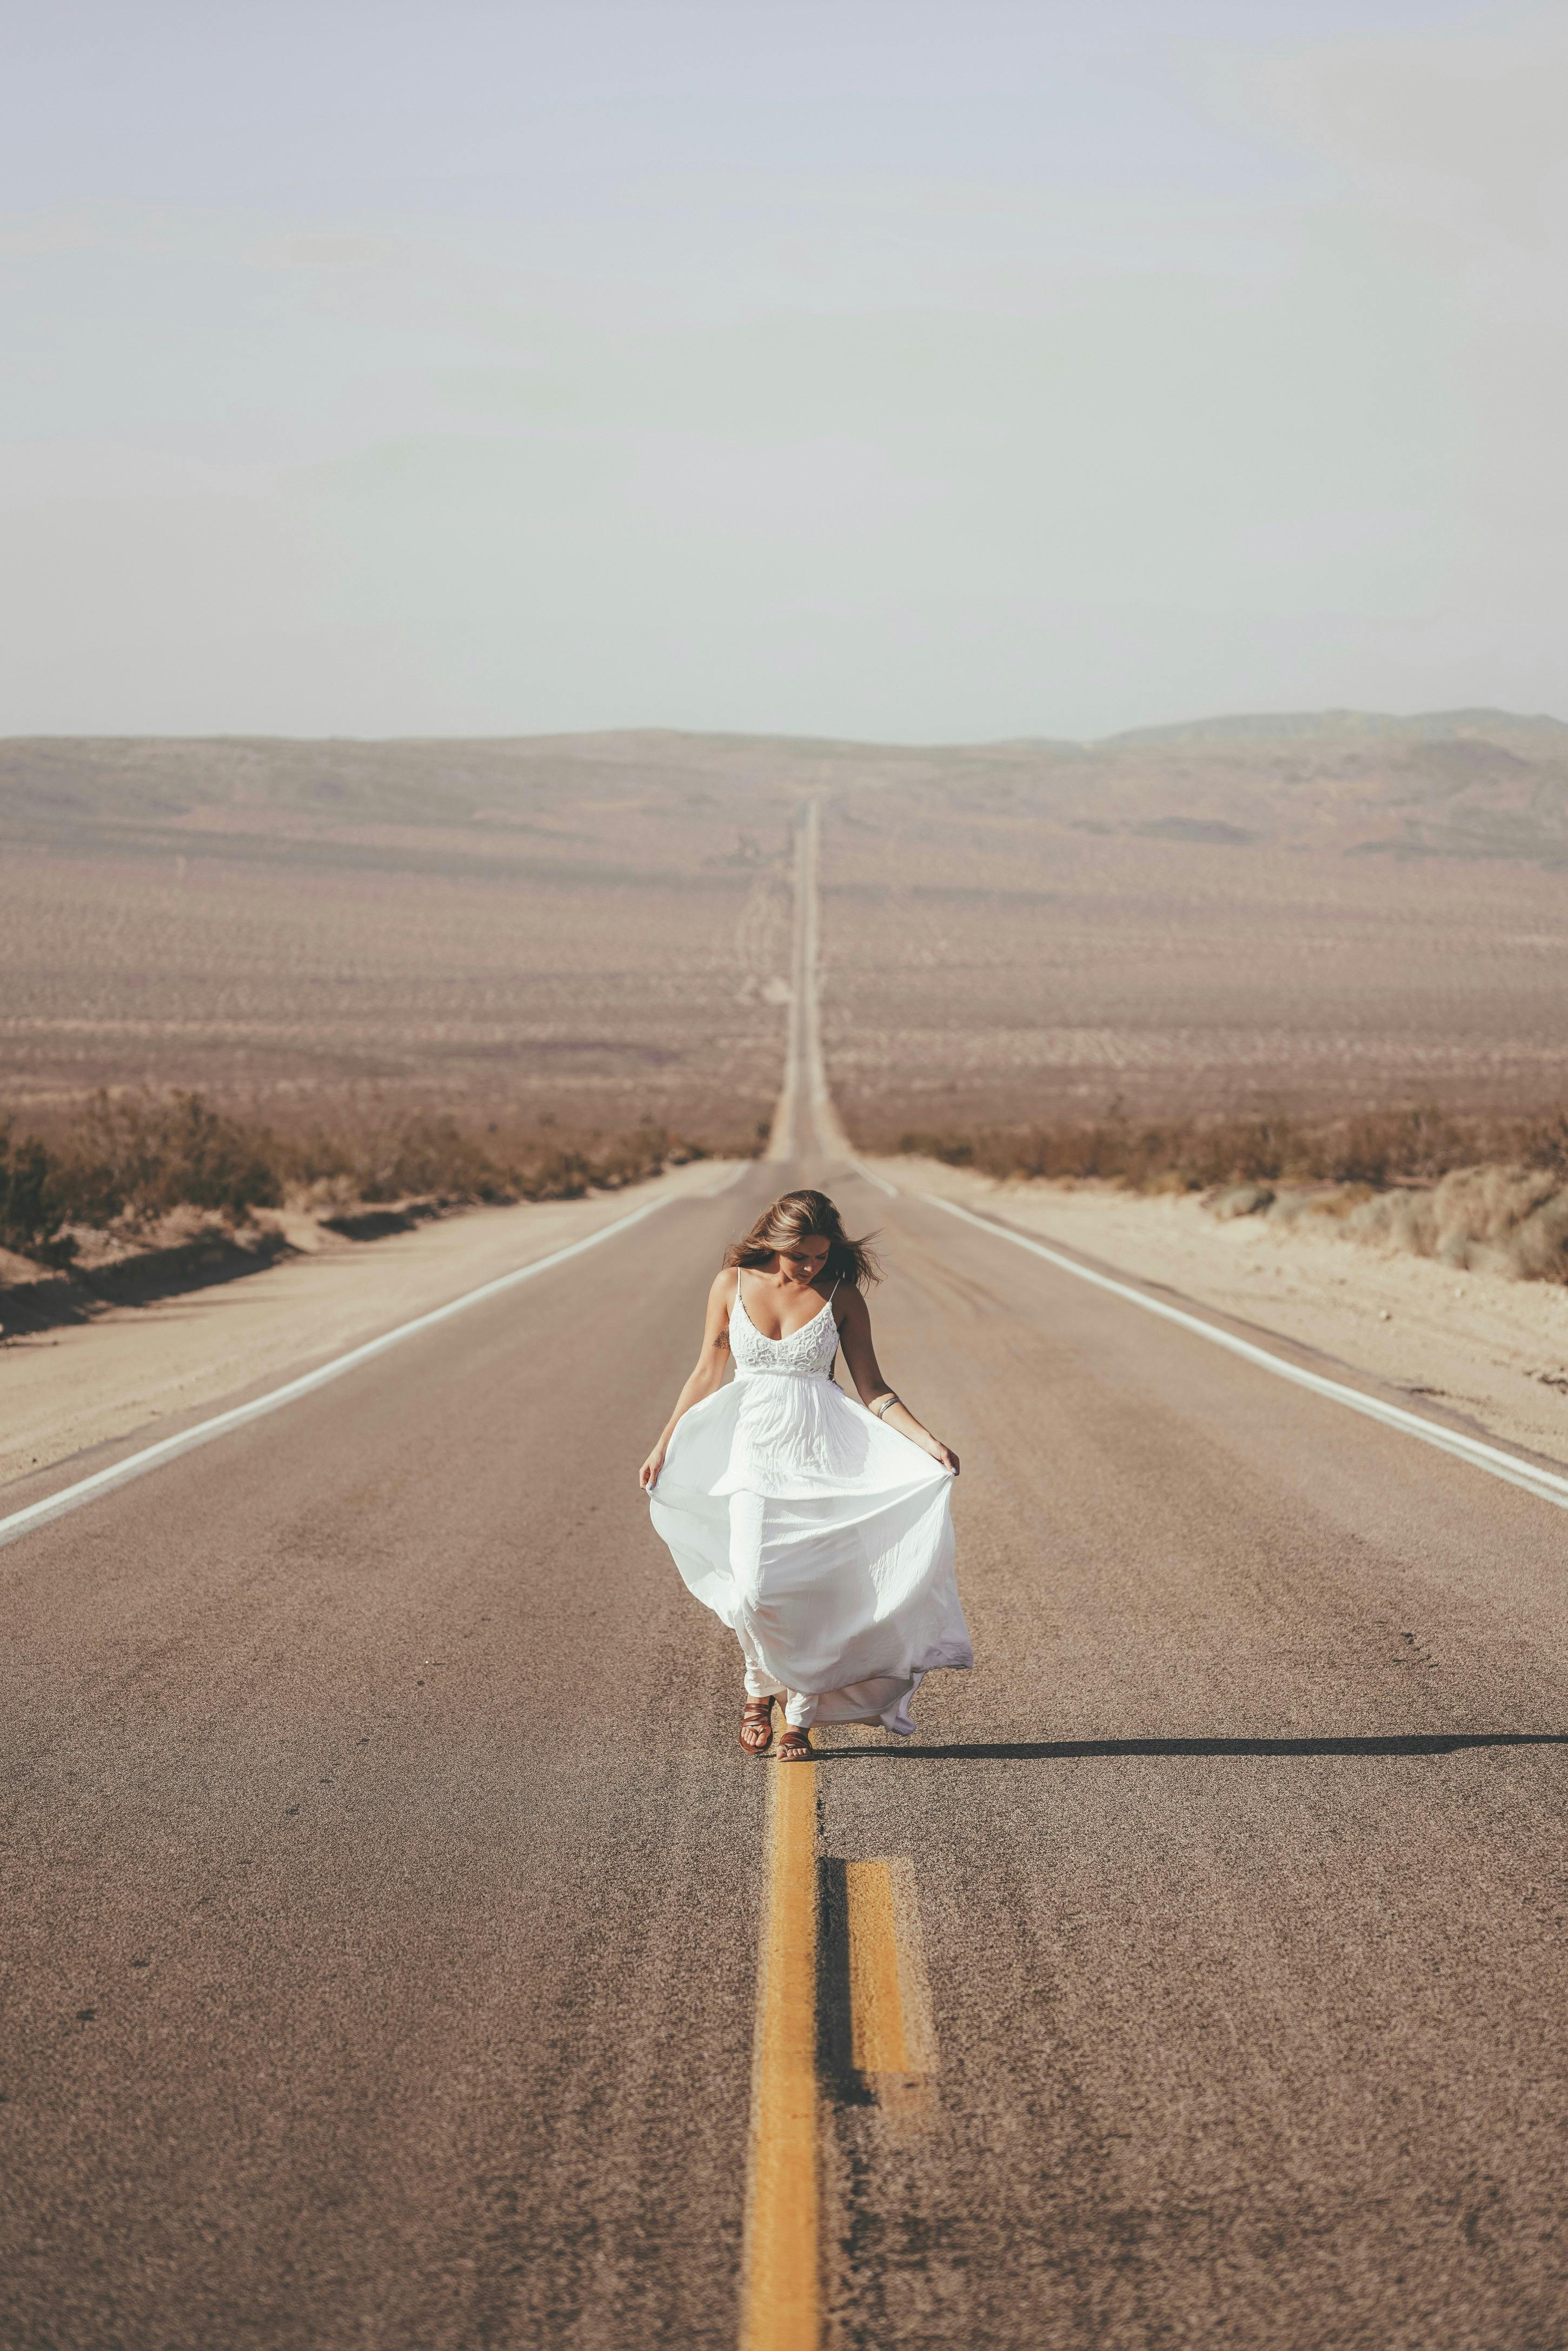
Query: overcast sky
[[907, 369]]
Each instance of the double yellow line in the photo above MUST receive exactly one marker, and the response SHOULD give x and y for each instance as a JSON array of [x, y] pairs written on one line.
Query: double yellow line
[[892, 2051], [782, 2288]]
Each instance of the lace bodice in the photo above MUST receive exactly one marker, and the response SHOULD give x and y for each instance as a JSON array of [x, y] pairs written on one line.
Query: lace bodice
[[805, 1354]]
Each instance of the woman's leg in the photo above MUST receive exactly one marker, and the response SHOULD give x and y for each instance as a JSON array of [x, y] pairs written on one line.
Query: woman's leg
[[759, 1682], [795, 1739], [757, 1714], [746, 1530]]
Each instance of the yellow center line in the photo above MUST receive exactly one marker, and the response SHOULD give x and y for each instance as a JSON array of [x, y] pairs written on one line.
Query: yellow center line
[[782, 2305], [877, 2002]]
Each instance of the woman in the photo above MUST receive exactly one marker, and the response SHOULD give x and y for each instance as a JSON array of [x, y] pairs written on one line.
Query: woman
[[816, 1528]]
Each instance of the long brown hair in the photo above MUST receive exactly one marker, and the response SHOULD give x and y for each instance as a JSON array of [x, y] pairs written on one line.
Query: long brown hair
[[796, 1217]]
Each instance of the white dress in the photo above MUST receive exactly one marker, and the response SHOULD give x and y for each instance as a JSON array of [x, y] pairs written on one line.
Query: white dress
[[823, 1539]]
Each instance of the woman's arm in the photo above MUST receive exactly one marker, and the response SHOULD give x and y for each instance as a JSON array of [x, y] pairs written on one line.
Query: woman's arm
[[711, 1365], [854, 1338]]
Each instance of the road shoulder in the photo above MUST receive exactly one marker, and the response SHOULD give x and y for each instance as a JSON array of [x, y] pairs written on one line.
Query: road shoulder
[[136, 1370], [1476, 1343]]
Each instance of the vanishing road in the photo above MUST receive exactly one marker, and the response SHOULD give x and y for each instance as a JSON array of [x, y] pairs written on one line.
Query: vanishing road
[[386, 1888]]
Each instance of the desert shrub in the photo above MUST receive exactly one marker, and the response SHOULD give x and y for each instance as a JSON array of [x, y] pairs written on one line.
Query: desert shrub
[[1508, 1220], [129, 1161], [418, 1155], [1478, 1191], [31, 1210], [139, 1156], [1381, 1150], [422, 1155], [1146, 1158], [1543, 1142], [126, 1162]]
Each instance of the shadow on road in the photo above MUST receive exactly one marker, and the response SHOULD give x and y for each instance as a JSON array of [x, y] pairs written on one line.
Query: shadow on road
[[1071, 1751], [78, 1294]]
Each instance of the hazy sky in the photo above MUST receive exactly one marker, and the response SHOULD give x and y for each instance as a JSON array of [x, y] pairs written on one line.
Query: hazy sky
[[914, 369]]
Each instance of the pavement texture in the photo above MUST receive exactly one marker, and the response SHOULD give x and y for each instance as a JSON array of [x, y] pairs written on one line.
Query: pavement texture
[[384, 1877]]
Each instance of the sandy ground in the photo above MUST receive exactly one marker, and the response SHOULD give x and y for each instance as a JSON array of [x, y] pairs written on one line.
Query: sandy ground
[[1480, 1344], [136, 1367]]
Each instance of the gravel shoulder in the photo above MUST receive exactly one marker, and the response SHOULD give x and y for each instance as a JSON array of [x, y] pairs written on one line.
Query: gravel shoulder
[[135, 1370], [1477, 1344]]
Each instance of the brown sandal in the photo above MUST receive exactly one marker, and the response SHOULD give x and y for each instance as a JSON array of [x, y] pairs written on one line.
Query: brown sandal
[[793, 1745], [757, 1717]]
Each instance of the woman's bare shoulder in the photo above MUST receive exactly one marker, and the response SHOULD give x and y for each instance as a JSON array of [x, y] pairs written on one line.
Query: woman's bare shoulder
[[851, 1313], [722, 1289]]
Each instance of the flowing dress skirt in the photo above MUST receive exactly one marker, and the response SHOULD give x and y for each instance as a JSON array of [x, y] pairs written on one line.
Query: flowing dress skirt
[[824, 1539]]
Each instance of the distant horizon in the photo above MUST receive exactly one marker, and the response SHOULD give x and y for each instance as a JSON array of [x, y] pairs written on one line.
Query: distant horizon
[[1233, 721]]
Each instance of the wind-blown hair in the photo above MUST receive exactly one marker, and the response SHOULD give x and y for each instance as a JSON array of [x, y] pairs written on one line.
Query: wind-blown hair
[[796, 1217]]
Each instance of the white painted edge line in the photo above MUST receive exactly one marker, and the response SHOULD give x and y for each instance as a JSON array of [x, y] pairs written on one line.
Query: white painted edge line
[[152, 1456], [1544, 1483], [727, 1183], [880, 1181]]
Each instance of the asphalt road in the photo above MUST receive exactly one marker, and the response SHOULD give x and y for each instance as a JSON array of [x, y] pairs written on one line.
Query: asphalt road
[[382, 1919]]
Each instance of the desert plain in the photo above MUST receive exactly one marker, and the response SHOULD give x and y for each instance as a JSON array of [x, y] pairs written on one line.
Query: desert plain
[[1320, 918], [586, 936], [1324, 916]]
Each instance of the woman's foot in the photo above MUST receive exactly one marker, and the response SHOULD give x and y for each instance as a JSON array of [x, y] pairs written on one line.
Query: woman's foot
[[794, 1746], [757, 1725]]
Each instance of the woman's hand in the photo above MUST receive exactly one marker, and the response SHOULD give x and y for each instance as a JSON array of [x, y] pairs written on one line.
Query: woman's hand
[[944, 1453], [647, 1476]]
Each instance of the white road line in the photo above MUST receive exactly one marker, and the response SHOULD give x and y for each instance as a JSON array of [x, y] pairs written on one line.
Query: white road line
[[152, 1456], [829, 1135], [880, 1181], [1546, 1484], [727, 1183], [784, 1139]]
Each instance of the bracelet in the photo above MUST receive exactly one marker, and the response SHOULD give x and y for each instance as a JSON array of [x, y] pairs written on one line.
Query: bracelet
[[885, 1404]]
